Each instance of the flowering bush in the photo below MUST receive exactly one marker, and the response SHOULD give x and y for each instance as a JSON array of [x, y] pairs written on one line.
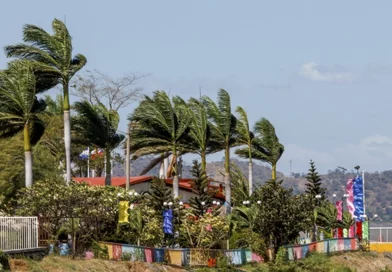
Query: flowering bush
[[208, 231]]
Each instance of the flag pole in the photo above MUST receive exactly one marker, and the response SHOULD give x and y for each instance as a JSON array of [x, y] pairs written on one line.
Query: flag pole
[[88, 162]]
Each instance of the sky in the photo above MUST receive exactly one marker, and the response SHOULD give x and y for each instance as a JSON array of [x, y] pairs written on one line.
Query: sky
[[320, 71]]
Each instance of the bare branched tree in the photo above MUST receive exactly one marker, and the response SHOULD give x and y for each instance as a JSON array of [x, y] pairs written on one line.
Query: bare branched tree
[[115, 93]]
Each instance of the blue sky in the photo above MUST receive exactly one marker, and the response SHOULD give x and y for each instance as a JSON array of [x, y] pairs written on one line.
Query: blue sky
[[319, 71]]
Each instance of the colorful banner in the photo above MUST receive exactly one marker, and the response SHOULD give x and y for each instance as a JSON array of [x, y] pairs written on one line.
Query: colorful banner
[[358, 198], [365, 230], [168, 221], [358, 228], [350, 198], [123, 207], [339, 207]]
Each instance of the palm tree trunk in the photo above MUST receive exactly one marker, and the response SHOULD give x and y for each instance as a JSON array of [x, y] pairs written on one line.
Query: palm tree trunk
[[203, 162], [108, 177], [67, 131], [28, 157], [250, 177], [175, 177], [274, 171], [227, 180]]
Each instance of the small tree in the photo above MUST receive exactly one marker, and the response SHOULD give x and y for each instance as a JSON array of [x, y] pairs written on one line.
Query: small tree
[[200, 188], [314, 184], [157, 194]]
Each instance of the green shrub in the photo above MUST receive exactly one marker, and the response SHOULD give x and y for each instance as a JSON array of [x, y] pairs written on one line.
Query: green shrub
[[4, 264], [281, 256], [100, 252], [126, 256]]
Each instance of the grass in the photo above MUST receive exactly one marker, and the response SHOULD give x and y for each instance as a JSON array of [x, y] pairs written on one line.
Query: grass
[[344, 262]]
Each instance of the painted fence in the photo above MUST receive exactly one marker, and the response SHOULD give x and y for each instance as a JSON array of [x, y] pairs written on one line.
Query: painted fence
[[18, 233], [179, 257], [328, 246]]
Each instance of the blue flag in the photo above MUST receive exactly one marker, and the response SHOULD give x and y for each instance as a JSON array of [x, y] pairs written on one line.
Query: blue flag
[[85, 154], [358, 199], [168, 221]]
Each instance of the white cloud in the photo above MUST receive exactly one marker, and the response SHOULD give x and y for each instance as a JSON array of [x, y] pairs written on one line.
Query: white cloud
[[372, 153], [316, 72]]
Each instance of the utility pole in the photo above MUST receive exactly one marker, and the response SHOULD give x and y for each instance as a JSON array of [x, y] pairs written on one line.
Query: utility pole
[[128, 159], [291, 169]]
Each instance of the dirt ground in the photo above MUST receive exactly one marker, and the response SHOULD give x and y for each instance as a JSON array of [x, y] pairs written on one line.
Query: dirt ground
[[59, 264], [364, 262]]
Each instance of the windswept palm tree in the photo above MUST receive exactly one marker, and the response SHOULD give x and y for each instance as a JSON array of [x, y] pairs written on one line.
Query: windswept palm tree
[[97, 126], [201, 140], [19, 109], [54, 55], [245, 136], [224, 128], [265, 145], [163, 125]]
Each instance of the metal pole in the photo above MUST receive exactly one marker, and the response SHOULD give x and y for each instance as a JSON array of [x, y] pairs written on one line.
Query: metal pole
[[88, 162], [127, 159]]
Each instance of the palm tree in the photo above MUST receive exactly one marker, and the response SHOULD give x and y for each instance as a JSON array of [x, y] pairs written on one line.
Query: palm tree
[[245, 136], [163, 126], [265, 145], [54, 55], [97, 126], [19, 109], [201, 140], [223, 126]]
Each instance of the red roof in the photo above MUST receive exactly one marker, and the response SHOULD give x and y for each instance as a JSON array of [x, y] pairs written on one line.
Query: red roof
[[184, 184]]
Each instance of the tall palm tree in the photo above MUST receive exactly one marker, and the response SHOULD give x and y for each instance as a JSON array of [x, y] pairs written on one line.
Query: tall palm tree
[[201, 139], [163, 125], [54, 54], [265, 145], [224, 127], [245, 136], [97, 126], [19, 109]]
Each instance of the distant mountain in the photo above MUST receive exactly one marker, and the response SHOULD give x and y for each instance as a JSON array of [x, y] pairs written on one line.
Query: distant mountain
[[378, 185]]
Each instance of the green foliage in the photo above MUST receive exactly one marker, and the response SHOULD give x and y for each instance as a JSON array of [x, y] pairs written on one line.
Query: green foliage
[[99, 251], [96, 125], [4, 264], [94, 208], [200, 188], [386, 269], [265, 145], [313, 187], [157, 194], [282, 215], [207, 231], [281, 256], [162, 125]]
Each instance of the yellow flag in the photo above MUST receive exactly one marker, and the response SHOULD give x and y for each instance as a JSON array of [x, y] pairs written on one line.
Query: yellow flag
[[123, 207]]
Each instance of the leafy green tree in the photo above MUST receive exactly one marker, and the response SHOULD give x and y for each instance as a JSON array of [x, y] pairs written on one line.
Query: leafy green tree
[[96, 125], [157, 194], [245, 137], [59, 202], [56, 65], [19, 109], [265, 146], [200, 189], [282, 215], [162, 126], [224, 127], [313, 187], [239, 184]]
